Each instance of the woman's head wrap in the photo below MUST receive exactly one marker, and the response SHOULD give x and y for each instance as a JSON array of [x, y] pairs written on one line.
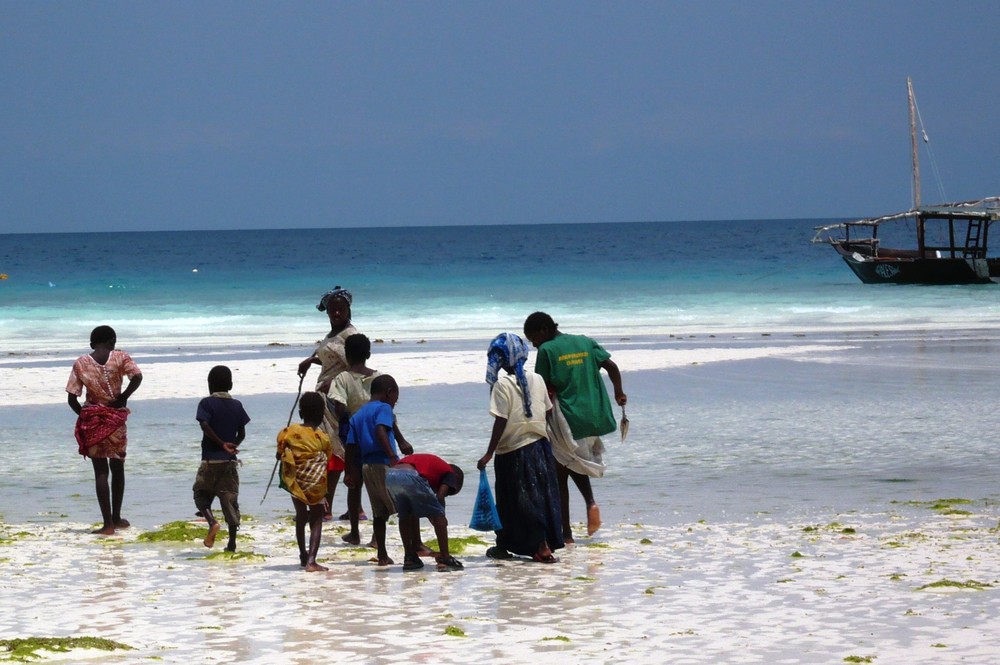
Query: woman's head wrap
[[508, 351], [337, 292]]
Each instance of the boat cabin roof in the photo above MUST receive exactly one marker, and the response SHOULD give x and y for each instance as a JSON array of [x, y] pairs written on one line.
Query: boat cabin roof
[[987, 209]]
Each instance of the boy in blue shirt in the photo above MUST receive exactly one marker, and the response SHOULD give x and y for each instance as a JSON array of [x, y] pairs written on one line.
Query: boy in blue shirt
[[372, 441], [223, 425]]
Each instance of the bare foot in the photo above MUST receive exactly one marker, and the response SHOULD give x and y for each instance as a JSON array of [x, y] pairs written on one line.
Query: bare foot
[[122, 523], [213, 531], [593, 519], [314, 567], [425, 552], [351, 538], [385, 561], [104, 531], [568, 540], [303, 560], [372, 544]]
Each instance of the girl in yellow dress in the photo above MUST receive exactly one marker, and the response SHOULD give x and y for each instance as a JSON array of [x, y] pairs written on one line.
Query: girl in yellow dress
[[304, 451]]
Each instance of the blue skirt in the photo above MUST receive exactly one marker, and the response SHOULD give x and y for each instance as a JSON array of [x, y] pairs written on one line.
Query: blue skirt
[[527, 495]]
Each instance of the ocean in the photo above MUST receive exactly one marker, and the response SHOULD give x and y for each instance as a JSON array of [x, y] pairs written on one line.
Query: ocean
[[889, 418], [192, 289]]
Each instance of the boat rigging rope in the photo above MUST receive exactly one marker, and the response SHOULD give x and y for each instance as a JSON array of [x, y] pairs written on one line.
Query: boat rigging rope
[[930, 151]]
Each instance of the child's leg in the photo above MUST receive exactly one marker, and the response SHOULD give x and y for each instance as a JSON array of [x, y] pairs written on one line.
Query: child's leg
[[103, 495], [231, 511], [582, 482], [332, 478], [229, 493], [117, 492], [316, 515], [301, 517], [213, 527], [354, 510], [378, 526], [562, 475], [440, 524]]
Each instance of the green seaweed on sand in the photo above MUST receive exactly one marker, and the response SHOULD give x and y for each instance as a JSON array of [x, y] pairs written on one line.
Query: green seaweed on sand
[[557, 638], [175, 532], [952, 584], [603, 546], [797, 555], [458, 545], [454, 631], [225, 555], [944, 506], [859, 659], [584, 578], [645, 541], [24, 650]]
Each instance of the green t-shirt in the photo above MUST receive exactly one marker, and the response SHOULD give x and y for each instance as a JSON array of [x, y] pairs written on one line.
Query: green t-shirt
[[571, 365]]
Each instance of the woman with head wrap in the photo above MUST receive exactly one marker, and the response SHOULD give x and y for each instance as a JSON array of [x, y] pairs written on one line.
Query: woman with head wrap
[[329, 354], [527, 493]]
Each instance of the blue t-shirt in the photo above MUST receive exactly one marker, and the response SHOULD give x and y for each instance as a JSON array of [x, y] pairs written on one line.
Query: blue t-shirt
[[362, 432], [225, 417]]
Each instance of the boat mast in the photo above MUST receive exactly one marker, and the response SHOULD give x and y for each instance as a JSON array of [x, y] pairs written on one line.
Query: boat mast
[[916, 162]]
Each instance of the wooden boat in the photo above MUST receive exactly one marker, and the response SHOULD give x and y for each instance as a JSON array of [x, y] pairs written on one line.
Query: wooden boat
[[951, 239]]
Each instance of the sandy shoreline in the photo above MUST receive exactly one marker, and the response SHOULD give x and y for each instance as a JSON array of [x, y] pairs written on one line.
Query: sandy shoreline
[[748, 519], [910, 583], [179, 373]]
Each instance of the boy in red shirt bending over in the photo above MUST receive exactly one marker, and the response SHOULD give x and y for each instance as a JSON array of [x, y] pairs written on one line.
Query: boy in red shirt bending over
[[418, 485]]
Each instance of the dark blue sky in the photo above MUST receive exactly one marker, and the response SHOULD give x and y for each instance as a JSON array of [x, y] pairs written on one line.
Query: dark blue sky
[[190, 115]]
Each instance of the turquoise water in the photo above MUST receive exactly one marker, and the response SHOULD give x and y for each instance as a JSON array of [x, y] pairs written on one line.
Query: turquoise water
[[902, 418], [258, 287]]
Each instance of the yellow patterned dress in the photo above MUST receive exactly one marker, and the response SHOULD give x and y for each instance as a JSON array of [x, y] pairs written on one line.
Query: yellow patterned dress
[[304, 453]]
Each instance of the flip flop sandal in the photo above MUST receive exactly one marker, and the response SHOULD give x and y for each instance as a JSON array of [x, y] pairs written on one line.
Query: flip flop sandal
[[449, 563], [498, 554], [413, 564]]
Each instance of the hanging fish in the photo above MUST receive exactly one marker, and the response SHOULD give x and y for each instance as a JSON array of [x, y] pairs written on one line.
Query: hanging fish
[[623, 425]]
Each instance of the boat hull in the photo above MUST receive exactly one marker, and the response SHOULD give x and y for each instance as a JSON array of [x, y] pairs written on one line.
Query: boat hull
[[922, 271]]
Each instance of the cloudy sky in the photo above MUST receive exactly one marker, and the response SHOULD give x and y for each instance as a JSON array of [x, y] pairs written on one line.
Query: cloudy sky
[[192, 115]]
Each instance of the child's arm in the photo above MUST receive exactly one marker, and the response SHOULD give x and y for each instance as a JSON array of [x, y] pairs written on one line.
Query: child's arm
[[214, 438], [404, 445], [382, 436], [615, 375], [74, 403], [499, 425], [133, 385]]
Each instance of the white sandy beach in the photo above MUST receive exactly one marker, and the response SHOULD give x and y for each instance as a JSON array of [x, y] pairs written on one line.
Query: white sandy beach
[[709, 554]]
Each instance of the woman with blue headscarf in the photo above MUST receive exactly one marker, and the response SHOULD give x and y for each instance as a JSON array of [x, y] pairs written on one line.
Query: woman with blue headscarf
[[527, 492]]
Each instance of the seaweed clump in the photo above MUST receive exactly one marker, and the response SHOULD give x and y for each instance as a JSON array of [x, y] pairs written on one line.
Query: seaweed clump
[[175, 532], [25, 649]]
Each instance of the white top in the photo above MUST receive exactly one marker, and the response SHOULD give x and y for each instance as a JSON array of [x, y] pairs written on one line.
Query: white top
[[352, 389], [506, 402]]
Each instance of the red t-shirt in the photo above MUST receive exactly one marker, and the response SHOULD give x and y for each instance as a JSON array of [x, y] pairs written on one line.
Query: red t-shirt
[[430, 467]]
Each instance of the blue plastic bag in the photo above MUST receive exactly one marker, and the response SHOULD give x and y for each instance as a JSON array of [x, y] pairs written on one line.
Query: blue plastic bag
[[484, 512]]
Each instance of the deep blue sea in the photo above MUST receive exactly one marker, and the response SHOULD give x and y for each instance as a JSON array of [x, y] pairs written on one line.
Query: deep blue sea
[[259, 287]]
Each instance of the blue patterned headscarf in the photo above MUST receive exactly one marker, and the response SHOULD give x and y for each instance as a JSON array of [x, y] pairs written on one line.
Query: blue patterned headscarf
[[336, 292], [508, 351]]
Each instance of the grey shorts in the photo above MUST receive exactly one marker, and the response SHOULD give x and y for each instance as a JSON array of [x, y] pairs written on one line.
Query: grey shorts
[[412, 494], [378, 495]]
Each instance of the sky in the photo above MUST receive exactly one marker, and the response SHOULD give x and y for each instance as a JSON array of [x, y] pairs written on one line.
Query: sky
[[178, 115]]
